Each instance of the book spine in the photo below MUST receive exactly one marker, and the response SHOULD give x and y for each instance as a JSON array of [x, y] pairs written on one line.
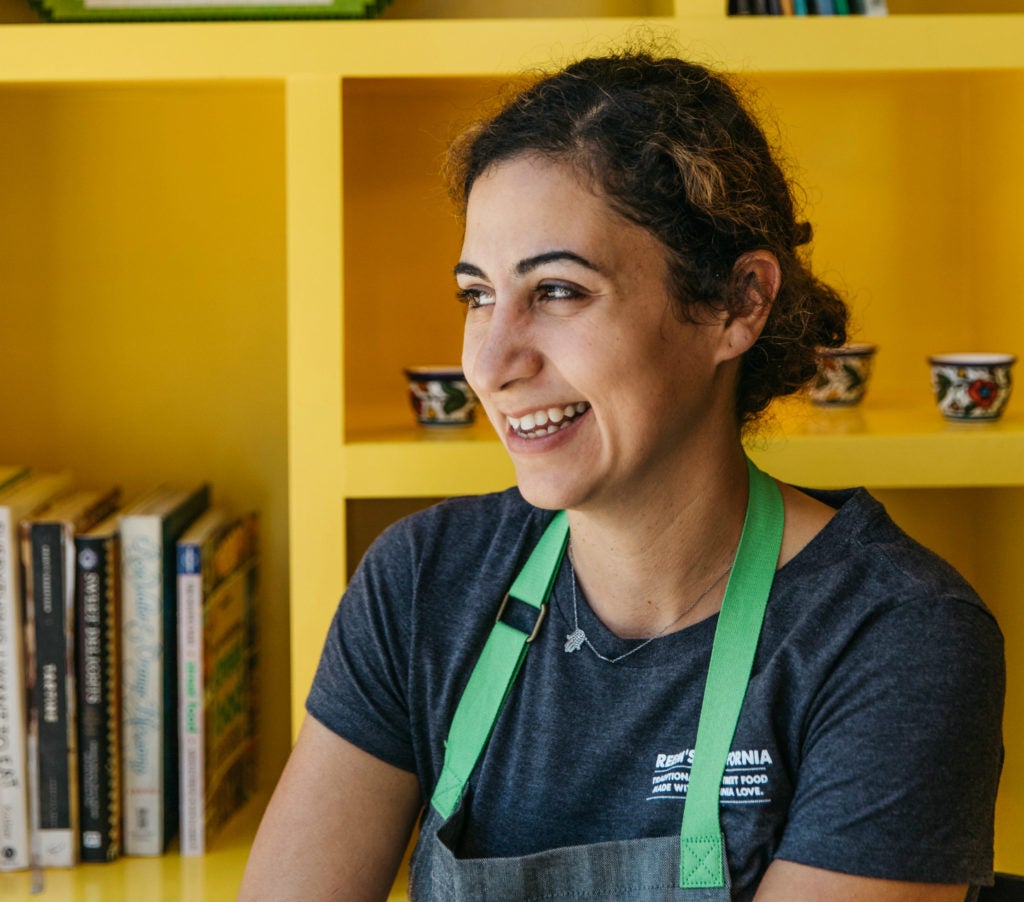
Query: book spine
[[230, 744], [14, 817], [172, 528], [142, 690], [53, 696], [99, 691], [190, 699]]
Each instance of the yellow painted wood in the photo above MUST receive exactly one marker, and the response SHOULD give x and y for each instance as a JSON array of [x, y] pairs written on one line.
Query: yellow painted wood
[[213, 877], [315, 374], [409, 48], [883, 444]]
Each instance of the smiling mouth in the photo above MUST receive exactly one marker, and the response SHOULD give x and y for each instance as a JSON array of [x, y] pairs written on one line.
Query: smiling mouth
[[547, 421]]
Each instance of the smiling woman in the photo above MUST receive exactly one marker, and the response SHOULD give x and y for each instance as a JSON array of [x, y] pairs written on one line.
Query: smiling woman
[[559, 678]]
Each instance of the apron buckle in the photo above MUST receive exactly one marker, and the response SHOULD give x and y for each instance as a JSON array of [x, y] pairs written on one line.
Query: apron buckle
[[541, 610]]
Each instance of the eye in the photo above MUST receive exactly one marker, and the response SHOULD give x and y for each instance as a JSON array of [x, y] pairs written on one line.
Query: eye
[[558, 291], [475, 297]]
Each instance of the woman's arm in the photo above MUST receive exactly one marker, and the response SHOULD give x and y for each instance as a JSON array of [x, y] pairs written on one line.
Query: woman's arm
[[786, 881], [336, 827]]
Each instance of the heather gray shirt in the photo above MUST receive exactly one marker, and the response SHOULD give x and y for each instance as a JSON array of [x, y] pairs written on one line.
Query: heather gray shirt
[[869, 740]]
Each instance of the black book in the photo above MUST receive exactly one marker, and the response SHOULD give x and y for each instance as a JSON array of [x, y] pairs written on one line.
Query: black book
[[97, 602], [49, 559]]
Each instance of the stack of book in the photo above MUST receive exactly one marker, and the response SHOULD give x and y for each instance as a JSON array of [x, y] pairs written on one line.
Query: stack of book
[[808, 8], [138, 10], [127, 655]]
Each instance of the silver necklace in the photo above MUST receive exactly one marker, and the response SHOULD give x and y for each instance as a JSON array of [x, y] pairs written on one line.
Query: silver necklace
[[575, 640]]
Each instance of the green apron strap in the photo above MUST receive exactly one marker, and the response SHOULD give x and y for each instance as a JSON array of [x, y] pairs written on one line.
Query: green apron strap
[[497, 667], [701, 853]]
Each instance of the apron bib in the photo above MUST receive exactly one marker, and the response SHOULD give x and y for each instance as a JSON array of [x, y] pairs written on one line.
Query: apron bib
[[690, 867]]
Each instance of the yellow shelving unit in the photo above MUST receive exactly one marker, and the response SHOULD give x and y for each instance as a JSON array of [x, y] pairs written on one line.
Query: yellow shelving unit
[[221, 242]]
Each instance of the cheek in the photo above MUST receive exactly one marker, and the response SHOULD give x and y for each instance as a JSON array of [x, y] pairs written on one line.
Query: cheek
[[470, 346]]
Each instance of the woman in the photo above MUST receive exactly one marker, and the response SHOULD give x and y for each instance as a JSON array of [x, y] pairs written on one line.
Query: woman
[[634, 299]]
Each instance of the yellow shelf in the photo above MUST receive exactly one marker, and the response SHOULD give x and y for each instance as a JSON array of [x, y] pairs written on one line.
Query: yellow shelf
[[213, 877], [409, 48], [888, 444], [412, 461], [881, 443]]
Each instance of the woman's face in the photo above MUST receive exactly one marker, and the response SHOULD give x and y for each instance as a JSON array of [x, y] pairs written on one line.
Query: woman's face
[[599, 392]]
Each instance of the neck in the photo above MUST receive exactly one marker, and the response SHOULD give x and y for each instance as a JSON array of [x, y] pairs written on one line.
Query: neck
[[641, 569]]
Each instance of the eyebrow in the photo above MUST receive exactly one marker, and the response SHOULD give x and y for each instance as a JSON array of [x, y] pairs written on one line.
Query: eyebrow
[[529, 264]]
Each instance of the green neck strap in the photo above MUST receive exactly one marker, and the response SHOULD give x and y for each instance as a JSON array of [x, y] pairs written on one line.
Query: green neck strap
[[702, 859], [701, 856], [497, 667]]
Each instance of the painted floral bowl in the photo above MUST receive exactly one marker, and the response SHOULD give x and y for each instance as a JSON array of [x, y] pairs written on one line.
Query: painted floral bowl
[[972, 387], [440, 396], [843, 375]]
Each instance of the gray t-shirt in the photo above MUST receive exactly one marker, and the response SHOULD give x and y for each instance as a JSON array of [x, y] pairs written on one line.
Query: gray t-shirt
[[870, 736]]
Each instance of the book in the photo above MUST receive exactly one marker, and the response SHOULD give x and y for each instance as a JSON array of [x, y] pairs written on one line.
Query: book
[[48, 558], [17, 501], [149, 680], [97, 603], [11, 473], [104, 10], [217, 580]]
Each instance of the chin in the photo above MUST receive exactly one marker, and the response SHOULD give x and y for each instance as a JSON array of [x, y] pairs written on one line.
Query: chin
[[548, 492]]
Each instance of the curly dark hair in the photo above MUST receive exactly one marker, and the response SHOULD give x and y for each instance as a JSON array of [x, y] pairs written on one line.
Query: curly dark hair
[[676, 151]]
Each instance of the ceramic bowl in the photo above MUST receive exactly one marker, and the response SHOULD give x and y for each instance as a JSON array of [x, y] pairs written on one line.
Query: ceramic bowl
[[843, 375], [440, 395], [971, 387]]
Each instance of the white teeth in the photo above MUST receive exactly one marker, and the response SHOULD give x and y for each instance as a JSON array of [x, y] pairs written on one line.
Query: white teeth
[[546, 422]]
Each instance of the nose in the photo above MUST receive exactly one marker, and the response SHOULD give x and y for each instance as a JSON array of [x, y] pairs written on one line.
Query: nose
[[498, 349]]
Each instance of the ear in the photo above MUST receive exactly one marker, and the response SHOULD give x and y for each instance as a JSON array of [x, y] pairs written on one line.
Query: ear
[[758, 275]]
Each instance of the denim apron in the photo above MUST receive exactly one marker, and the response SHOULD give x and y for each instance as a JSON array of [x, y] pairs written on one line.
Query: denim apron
[[690, 867]]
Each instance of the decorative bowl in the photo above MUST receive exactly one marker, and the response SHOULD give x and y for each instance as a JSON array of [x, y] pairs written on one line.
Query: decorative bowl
[[843, 375], [440, 396], [972, 387]]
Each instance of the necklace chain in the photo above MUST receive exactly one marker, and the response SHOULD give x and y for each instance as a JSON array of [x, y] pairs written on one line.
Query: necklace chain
[[575, 640]]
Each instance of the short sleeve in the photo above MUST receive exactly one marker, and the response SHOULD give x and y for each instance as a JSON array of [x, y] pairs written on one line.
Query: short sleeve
[[360, 689], [903, 749]]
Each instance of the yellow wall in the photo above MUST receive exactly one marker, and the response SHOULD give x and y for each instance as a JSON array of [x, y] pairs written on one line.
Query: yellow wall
[[143, 304]]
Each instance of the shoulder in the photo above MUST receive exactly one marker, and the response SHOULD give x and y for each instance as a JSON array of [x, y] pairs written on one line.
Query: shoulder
[[862, 551], [866, 603], [887, 660]]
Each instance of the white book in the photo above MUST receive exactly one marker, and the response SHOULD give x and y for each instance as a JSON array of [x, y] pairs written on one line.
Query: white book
[[149, 531], [23, 498]]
